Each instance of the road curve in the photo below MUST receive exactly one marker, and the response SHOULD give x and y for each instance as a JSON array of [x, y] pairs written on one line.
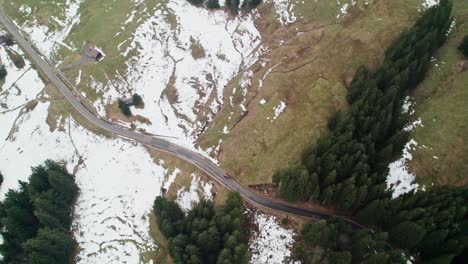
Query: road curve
[[192, 157]]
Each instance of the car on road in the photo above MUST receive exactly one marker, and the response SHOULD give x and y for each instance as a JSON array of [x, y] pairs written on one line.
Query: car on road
[[227, 176]]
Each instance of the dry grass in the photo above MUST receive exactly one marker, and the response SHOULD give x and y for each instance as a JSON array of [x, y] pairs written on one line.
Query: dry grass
[[309, 79], [161, 255], [441, 103]]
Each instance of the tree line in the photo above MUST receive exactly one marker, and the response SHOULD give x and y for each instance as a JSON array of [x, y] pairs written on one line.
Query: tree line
[[204, 235], [431, 227], [233, 5], [37, 218], [336, 241], [349, 166]]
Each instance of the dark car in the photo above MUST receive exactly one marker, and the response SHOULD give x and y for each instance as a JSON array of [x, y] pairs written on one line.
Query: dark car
[[227, 176]]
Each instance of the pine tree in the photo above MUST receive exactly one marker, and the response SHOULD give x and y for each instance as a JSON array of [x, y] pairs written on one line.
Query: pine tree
[[3, 72], [463, 48], [51, 246], [212, 4], [124, 108]]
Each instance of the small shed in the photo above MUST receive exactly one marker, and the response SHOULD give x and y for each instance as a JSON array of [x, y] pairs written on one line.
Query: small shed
[[93, 53]]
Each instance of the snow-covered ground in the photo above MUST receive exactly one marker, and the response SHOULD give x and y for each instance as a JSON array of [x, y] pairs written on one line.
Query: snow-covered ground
[[164, 65], [118, 179], [20, 86], [272, 244], [118, 182]]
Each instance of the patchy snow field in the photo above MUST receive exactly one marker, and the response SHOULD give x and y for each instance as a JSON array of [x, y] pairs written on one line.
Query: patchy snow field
[[178, 88], [20, 86], [186, 199], [174, 85], [118, 180], [272, 243], [46, 40]]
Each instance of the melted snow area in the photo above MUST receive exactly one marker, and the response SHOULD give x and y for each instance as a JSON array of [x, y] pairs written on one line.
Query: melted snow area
[[174, 84], [271, 243], [284, 11], [188, 198], [47, 40]]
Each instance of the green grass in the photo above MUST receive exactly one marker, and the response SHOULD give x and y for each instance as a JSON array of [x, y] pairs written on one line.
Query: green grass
[[441, 103]]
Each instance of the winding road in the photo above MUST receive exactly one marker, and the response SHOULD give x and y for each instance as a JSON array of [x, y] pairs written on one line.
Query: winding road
[[203, 163]]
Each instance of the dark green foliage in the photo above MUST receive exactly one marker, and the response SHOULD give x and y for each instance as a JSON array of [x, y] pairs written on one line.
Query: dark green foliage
[[343, 244], [37, 217], [464, 46], [3, 72], [170, 216], [351, 163], [125, 108], [407, 234], [432, 223], [232, 5], [212, 4], [137, 100], [204, 235], [7, 40], [50, 246], [22, 225], [196, 2], [250, 4], [1, 178]]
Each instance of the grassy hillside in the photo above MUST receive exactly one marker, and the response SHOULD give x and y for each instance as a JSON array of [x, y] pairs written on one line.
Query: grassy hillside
[[318, 55], [441, 103]]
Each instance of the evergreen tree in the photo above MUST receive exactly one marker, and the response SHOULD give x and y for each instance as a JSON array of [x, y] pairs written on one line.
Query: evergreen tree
[[37, 217], [124, 108], [212, 4], [463, 47], [137, 100], [352, 161], [3, 72], [51, 246]]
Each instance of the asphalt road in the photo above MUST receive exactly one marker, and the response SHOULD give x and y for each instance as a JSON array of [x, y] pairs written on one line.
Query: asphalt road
[[192, 157]]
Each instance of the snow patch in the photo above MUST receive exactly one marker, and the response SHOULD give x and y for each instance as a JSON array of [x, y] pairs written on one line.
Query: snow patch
[[186, 199], [284, 11], [426, 4], [278, 110], [400, 180], [272, 243]]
